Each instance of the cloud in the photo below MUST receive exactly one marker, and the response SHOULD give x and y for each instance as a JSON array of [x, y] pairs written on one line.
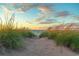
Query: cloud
[[19, 10], [7, 13], [19, 7], [76, 17], [45, 22], [51, 20], [22, 7], [63, 14], [44, 9], [25, 6], [48, 21], [7, 10], [45, 12], [40, 18]]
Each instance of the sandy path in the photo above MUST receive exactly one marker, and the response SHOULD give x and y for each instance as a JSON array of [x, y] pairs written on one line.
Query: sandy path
[[41, 47]]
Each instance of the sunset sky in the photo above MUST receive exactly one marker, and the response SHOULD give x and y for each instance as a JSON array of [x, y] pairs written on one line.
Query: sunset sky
[[40, 16]]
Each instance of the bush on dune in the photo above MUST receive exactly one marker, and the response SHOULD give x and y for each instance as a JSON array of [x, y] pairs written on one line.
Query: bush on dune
[[63, 38], [10, 39], [28, 34], [75, 41], [44, 34], [25, 33], [13, 39], [52, 35], [69, 39]]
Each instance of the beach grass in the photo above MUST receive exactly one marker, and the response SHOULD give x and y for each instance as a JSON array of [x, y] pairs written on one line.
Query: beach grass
[[11, 37]]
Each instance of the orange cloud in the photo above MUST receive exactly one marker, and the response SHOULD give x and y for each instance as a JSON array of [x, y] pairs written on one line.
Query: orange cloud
[[38, 28]]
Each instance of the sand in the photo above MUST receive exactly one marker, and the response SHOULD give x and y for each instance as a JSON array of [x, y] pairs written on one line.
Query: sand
[[40, 47]]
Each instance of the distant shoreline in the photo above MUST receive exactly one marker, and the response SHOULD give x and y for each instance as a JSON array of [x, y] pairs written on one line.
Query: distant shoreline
[[37, 32]]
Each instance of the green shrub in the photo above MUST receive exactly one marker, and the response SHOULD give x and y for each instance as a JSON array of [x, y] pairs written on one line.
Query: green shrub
[[52, 35], [10, 39], [28, 34], [59, 39], [75, 42], [44, 34], [64, 38]]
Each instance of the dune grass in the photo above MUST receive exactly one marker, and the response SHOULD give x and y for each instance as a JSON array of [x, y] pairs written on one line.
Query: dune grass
[[11, 37], [44, 34]]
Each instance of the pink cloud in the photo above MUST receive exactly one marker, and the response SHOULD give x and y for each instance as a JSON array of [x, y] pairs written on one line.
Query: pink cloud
[[63, 14], [45, 22]]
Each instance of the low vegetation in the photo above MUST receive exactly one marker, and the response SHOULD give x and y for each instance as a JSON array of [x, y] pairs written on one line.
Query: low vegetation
[[25, 33], [11, 37]]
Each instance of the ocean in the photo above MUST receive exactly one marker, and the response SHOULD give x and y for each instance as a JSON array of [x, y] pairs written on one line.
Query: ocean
[[37, 32]]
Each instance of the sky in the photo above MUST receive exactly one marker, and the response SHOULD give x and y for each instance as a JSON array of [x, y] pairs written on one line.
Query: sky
[[40, 15]]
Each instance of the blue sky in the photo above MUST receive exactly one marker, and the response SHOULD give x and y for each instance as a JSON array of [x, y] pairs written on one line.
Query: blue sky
[[71, 7], [42, 15]]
